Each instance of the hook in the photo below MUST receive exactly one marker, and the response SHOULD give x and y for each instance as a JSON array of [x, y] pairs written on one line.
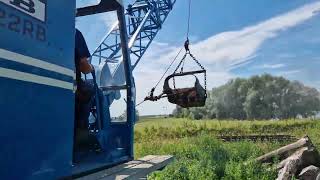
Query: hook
[[186, 45]]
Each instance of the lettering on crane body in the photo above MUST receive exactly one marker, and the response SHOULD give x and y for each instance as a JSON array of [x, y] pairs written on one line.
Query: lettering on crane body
[[23, 25], [34, 8]]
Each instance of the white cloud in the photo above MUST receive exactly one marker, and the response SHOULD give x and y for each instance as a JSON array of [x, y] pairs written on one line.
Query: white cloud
[[109, 19], [288, 73], [230, 49], [286, 56], [220, 53], [237, 46], [270, 66]]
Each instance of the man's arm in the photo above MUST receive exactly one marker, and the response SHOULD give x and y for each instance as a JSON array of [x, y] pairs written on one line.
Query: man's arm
[[85, 66], [83, 54]]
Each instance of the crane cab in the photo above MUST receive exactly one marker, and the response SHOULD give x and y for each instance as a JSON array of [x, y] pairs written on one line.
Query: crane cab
[[37, 94]]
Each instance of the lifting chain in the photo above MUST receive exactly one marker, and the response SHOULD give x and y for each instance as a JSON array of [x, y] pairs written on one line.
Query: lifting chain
[[205, 73], [186, 46], [181, 64]]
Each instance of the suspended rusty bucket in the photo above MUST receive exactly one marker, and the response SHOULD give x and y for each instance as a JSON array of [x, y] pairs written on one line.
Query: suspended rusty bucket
[[186, 97]]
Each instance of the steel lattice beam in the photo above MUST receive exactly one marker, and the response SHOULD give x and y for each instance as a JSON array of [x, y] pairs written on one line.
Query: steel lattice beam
[[144, 20]]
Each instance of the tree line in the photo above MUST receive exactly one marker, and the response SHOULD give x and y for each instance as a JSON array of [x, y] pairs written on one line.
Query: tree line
[[259, 97]]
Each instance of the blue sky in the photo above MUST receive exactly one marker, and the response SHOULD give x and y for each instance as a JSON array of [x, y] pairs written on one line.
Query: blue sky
[[231, 38]]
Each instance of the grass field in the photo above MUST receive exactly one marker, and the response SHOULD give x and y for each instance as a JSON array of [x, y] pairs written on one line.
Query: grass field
[[199, 155]]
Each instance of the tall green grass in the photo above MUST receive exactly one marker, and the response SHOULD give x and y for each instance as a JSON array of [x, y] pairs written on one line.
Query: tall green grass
[[199, 155]]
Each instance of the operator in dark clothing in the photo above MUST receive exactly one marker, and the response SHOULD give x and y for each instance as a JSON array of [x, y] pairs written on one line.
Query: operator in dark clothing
[[85, 90]]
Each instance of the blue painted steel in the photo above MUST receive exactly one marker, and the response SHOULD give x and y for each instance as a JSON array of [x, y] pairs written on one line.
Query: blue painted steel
[[113, 57], [36, 120], [131, 110], [115, 139], [124, 43]]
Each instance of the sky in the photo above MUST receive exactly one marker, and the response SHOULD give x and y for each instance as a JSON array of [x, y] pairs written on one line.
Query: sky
[[230, 38]]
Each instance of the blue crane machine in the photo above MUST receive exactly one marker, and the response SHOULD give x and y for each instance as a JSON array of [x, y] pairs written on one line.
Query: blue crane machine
[[37, 86]]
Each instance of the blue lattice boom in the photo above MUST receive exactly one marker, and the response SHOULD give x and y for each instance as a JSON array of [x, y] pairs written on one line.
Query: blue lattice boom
[[144, 20]]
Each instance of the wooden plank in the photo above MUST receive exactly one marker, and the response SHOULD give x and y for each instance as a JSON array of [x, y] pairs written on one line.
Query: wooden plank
[[115, 169], [141, 170], [136, 169]]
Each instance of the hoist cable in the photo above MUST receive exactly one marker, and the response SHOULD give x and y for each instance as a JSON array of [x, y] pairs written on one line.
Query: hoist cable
[[189, 17], [186, 47], [168, 67], [140, 103], [188, 30], [162, 75]]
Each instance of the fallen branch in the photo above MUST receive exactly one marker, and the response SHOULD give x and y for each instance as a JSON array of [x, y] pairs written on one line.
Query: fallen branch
[[285, 151]]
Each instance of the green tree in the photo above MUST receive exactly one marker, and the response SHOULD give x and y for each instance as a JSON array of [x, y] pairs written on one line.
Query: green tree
[[259, 97]]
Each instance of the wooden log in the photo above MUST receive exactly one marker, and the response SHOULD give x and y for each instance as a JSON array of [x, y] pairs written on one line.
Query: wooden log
[[293, 165], [308, 156], [309, 173], [285, 151], [289, 165]]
